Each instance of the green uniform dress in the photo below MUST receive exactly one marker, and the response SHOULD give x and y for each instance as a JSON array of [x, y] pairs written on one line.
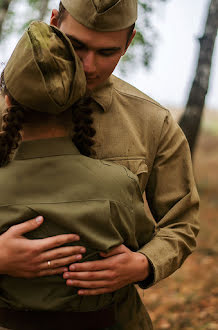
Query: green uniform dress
[[98, 200]]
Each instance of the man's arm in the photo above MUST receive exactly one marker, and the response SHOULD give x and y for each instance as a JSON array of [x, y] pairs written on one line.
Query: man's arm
[[21, 257], [174, 202]]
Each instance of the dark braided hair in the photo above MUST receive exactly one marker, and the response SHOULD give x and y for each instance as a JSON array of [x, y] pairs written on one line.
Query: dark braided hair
[[12, 123], [83, 130]]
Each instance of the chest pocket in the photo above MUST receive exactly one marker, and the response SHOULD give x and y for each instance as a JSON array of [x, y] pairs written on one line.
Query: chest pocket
[[135, 165]]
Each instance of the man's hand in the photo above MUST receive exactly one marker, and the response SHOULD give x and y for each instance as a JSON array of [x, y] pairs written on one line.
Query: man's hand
[[119, 268], [21, 257]]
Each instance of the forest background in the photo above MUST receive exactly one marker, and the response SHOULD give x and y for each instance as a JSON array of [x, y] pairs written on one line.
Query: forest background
[[165, 54]]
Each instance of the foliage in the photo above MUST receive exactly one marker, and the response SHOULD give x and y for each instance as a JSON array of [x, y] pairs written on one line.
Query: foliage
[[16, 19], [142, 47]]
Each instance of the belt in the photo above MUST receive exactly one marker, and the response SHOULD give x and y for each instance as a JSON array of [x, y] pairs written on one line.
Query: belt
[[47, 320]]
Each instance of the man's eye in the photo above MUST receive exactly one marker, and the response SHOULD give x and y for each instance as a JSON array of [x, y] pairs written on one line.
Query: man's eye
[[77, 46], [107, 52]]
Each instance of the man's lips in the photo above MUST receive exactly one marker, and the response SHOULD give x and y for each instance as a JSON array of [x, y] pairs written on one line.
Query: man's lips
[[90, 77]]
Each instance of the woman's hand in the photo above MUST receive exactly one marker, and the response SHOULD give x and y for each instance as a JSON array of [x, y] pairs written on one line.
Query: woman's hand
[[21, 257]]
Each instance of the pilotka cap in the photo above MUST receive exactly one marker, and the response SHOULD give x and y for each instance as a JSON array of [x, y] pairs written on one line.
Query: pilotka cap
[[44, 73], [103, 15]]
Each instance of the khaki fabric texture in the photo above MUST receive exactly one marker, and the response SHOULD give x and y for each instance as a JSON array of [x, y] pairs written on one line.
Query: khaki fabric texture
[[99, 200], [135, 131], [45, 64], [103, 15]]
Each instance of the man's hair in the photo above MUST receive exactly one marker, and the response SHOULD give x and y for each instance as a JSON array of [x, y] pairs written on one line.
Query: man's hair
[[63, 12]]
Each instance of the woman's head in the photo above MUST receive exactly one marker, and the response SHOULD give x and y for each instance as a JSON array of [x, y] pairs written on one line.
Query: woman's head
[[45, 66], [44, 76]]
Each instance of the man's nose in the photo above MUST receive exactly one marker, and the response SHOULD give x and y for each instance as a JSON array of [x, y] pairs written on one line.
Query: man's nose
[[89, 62]]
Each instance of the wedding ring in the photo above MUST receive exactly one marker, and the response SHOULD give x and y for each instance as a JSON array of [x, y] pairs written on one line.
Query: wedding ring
[[49, 264]]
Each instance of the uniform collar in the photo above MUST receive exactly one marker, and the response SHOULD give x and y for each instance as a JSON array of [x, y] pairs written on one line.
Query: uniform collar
[[103, 94], [46, 148]]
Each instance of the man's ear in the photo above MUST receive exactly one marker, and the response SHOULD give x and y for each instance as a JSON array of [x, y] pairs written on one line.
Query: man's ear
[[7, 101], [54, 17], [129, 41]]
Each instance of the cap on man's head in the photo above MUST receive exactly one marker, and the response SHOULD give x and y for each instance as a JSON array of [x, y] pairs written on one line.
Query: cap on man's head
[[44, 73], [103, 15]]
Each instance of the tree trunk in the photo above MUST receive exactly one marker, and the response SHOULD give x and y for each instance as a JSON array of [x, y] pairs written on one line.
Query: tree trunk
[[43, 8], [191, 118], [4, 5]]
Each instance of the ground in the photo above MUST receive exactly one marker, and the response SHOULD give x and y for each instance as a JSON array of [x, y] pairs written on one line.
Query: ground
[[189, 298]]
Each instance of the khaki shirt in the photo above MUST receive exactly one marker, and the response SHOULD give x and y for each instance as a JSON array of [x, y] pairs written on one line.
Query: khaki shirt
[[135, 131], [99, 200]]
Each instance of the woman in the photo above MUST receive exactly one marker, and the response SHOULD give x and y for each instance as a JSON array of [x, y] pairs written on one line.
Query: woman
[[99, 201]]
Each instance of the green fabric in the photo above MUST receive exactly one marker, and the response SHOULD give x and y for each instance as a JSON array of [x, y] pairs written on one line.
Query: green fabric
[[103, 15], [135, 131], [98, 200], [44, 73]]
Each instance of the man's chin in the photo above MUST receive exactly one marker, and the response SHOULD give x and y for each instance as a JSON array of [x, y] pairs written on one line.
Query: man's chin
[[92, 85]]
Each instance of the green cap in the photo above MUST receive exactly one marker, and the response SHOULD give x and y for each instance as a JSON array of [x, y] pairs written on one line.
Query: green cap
[[44, 73], [103, 15]]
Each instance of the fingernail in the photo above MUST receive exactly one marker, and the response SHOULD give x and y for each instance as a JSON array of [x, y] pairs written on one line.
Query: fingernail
[[65, 270], [72, 268], [65, 275], [78, 257], [80, 292], [39, 219], [82, 250], [76, 238]]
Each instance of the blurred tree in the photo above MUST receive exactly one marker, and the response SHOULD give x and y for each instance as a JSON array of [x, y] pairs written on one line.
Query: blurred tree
[[43, 9], [191, 118], [39, 9], [142, 47], [4, 5]]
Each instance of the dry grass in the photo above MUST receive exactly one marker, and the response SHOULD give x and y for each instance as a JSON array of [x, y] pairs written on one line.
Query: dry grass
[[189, 298]]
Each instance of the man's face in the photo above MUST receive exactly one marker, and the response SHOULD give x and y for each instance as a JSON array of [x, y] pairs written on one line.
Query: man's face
[[99, 51]]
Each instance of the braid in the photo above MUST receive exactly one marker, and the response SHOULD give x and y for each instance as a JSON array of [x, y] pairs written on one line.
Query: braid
[[11, 125], [83, 130]]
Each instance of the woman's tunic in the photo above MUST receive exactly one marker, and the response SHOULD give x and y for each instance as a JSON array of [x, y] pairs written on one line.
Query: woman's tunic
[[98, 200]]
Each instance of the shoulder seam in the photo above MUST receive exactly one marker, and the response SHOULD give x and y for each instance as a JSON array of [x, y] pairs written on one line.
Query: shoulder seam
[[141, 98]]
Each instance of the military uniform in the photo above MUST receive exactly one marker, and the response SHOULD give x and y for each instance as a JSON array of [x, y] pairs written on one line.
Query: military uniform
[[135, 131], [98, 200]]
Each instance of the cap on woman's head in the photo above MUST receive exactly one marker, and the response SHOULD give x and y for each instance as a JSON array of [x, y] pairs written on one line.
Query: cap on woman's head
[[103, 15], [44, 73]]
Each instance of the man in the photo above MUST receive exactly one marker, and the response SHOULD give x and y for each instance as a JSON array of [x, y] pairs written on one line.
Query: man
[[132, 130]]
